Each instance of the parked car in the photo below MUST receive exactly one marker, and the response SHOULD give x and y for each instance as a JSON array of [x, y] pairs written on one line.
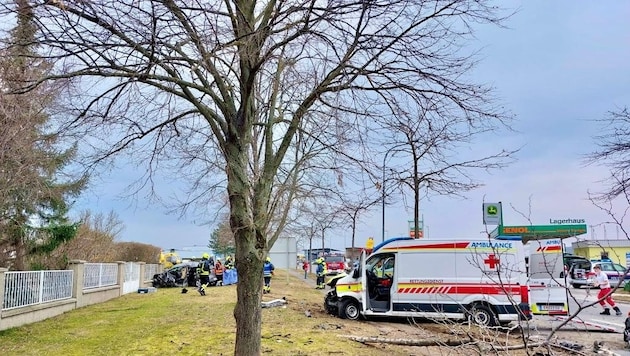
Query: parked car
[[569, 260], [581, 273]]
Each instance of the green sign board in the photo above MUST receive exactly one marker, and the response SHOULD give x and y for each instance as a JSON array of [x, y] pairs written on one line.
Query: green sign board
[[538, 232], [492, 213]]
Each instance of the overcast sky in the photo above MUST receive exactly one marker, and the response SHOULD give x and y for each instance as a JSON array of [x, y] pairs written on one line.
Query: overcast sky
[[558, 66]]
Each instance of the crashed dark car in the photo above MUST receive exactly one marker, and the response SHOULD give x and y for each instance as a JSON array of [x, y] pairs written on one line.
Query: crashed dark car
[[181, 275]]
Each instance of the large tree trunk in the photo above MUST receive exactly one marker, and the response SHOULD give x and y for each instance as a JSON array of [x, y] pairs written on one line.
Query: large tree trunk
[[249, 295], [250, 247]]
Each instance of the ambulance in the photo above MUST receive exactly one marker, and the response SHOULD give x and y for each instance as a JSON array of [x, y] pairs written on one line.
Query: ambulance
[[547, 285], [483, 281]]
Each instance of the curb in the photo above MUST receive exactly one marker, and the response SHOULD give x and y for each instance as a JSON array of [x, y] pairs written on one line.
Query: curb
[[621, 297]]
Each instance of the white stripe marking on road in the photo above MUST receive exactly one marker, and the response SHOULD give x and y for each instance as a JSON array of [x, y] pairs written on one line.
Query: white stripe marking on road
[[608, 322]]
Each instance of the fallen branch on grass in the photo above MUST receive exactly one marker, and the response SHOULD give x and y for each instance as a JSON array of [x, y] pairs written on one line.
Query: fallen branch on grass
[[407, 342], [449, 342]]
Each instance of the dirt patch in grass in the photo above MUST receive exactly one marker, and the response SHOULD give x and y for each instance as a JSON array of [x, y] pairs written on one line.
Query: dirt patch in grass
[[169, 322]]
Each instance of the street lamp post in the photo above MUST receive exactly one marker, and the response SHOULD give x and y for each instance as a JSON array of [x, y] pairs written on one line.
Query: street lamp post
[[383, 199], [383, 192]]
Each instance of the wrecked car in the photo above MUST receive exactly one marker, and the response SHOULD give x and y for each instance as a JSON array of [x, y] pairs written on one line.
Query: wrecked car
[[181, 275]]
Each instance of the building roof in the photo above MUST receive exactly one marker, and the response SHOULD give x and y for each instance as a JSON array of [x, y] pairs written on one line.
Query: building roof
[[601, 243]]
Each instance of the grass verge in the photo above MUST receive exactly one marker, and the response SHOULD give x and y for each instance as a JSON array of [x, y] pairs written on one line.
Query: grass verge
[[169, 322]]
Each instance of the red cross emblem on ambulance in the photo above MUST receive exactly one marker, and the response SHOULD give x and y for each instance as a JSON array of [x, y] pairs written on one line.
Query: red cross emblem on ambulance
[[492, 261]]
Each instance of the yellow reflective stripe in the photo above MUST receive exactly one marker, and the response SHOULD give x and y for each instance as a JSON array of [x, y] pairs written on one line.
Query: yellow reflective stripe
[[349, 287]]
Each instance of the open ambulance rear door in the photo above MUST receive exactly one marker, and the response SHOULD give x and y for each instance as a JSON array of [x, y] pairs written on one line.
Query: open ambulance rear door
[[548, 294], [364, 297]]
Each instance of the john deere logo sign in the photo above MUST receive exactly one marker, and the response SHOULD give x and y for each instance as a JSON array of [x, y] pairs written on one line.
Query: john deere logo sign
[[492, 210], [492, 213]]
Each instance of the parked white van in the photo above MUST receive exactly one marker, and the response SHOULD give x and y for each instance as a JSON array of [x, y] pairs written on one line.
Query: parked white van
[[483, 281]]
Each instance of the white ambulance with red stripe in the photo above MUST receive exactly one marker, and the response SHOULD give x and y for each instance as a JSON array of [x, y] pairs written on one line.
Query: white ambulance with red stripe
[[547, 291], [483, 281]]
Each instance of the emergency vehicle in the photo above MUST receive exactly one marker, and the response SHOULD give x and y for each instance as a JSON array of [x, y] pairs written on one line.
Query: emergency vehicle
[[547, 286], [335, 264], [483, 281]]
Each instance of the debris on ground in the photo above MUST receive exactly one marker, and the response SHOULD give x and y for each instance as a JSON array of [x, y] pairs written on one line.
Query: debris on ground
[[600, 349], [329, 326], [571, 345], [274, 303]]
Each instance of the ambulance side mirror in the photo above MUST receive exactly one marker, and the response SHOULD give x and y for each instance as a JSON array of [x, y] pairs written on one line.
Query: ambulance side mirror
[[356, 273]]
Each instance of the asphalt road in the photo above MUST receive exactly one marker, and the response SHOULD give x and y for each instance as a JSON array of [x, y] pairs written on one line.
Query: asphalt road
[[589, 317]]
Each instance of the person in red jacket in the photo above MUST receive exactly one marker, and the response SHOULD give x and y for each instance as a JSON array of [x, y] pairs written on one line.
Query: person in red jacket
[[218, 272], [305, 267]]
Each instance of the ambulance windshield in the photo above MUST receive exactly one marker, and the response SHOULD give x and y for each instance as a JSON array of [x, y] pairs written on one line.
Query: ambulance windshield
[[380, 265]]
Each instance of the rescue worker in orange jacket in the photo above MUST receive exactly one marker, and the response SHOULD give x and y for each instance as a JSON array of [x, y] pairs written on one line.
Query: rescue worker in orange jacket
[[218, 271]]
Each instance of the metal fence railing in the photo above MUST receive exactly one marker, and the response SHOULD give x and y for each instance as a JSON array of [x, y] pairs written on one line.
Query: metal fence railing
[[150, 270], [97, 275], [36, 287]]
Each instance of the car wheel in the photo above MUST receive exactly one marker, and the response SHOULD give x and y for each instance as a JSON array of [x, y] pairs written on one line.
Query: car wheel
[[483, 316], [576, 286], [349, 309]]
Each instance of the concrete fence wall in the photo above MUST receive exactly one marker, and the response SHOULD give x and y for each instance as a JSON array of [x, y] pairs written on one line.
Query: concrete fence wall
[[80, 297]]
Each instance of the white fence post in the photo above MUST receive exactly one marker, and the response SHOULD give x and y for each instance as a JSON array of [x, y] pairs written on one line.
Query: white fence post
[[78, 268], [142, 268], [121, 277], [2, 271]]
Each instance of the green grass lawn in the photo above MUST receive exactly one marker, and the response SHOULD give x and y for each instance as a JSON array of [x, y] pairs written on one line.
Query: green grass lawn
[[167, 322]]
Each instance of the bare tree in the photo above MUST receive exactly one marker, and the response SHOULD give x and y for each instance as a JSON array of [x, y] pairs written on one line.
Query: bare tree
[[135, 251], [95, 241], [432, 145], [614, 152], [353, 205], [233, 81], [222, 239]]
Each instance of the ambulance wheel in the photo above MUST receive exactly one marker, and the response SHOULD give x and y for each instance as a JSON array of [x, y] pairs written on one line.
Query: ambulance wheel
[[483, 316], [349, 309]]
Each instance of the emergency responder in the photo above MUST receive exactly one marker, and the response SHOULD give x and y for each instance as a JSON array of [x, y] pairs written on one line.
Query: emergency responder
[[229, 264], [369, 245], [268, 269], [378, 269], [321, 272], [218, 272], [204, 273]]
